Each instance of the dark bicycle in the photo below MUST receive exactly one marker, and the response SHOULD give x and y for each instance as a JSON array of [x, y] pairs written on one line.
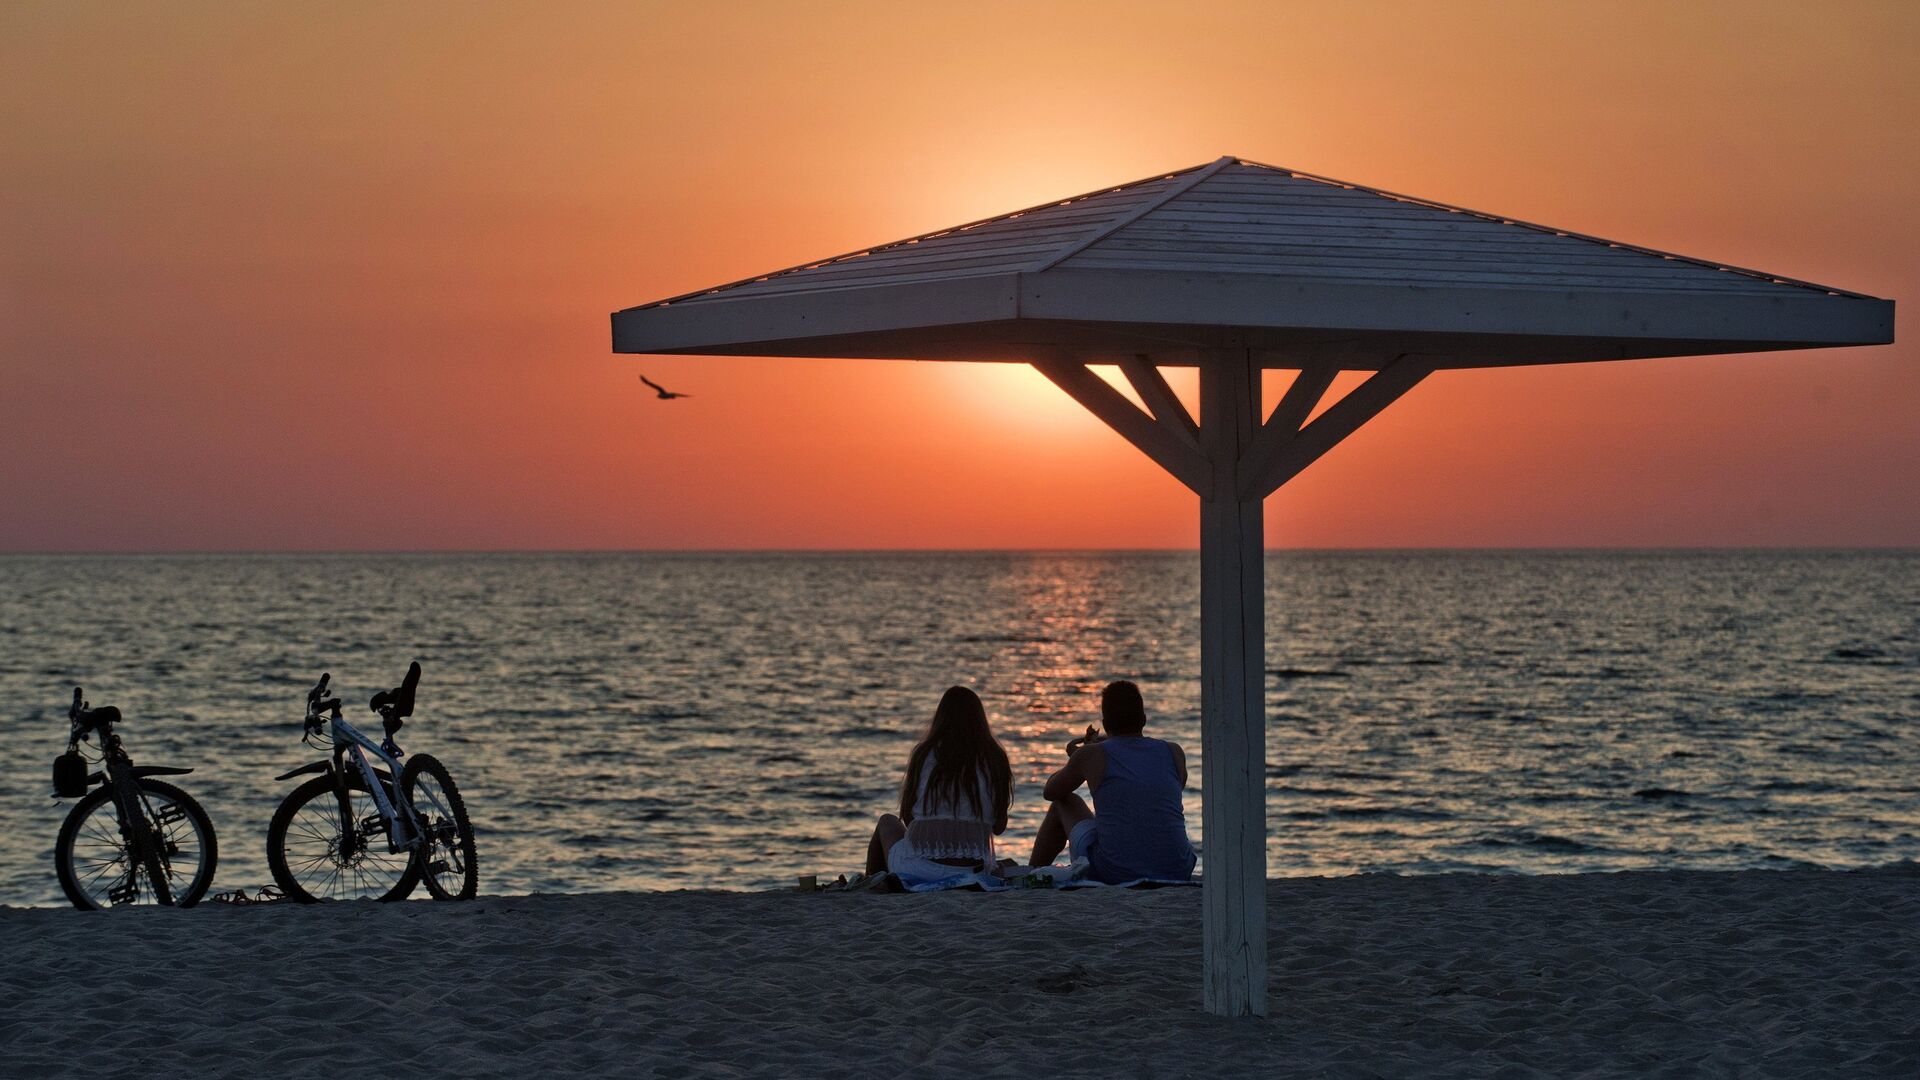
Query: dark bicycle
[[352, 832], [130, 839]]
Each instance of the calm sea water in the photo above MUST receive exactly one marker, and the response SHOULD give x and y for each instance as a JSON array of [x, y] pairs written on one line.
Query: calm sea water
[[655, 721]]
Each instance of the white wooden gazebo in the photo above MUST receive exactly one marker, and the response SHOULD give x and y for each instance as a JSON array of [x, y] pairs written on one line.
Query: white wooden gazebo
[[1234, 267]]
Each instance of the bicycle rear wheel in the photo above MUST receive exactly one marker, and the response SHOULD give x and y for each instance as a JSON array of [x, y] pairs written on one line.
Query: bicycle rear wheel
[[313, 857], [450, 868], [98, 869]]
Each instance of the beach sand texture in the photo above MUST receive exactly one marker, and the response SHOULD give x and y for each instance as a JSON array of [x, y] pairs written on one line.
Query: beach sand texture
[[1747, 974]]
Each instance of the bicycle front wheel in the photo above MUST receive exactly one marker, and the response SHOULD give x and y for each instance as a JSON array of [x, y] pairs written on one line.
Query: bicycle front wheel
[[98, 867], [314, 855], [449, 867]]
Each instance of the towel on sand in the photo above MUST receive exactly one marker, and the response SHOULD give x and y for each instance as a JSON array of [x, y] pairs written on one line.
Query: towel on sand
[[1071, 876]]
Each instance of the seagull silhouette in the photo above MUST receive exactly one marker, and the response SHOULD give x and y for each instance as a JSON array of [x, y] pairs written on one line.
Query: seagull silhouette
[[662, 392]]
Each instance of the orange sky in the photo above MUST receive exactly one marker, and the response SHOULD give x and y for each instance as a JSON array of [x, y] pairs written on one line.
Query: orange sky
[[338, 277]]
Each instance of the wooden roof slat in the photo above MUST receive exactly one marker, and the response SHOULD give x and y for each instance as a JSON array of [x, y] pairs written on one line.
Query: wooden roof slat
[[1438, 274], [1429, 275], [1341, 244], [1315, 230], [1308, 214], [957, 267], [1066, 218], [1015, 253], [839, 285], [1288, 241], [1211, 210], [1408, 259]]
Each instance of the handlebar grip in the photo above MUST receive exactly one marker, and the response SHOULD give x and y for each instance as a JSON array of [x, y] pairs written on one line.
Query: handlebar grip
[[320, 687]]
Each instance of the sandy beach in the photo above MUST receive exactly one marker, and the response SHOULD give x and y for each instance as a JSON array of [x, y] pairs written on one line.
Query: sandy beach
[[1751, 974]]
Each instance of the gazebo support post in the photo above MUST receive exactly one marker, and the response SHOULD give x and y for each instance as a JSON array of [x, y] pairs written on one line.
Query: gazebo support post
[[1233, 461], [1232, 694]]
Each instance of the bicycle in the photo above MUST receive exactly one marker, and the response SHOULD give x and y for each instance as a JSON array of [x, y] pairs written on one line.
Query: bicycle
[[352, 832], [130, 839]]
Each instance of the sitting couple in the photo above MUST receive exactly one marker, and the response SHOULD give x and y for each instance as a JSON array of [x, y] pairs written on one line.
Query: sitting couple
[[959, 787]]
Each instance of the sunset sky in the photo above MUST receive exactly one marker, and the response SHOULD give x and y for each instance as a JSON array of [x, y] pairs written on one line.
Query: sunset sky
[[338, 276]]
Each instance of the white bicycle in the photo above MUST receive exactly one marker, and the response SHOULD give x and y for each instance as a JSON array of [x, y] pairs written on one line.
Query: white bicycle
[[354, 833]]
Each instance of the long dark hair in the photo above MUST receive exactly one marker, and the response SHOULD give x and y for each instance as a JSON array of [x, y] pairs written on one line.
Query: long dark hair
[[962, 744]]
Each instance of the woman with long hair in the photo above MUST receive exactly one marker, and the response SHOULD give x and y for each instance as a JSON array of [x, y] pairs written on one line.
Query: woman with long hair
[[954, 800]]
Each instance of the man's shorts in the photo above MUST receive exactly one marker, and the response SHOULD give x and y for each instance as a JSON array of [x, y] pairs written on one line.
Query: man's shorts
[[1080, 840]]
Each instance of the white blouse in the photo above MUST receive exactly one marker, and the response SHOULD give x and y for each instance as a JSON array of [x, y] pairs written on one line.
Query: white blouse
[[947, 828]]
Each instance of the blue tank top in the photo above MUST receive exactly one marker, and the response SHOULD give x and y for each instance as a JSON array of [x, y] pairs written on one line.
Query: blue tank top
[[1140, 828]]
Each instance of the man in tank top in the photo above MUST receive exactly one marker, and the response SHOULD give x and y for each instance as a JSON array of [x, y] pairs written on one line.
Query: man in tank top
[[1137, 827]]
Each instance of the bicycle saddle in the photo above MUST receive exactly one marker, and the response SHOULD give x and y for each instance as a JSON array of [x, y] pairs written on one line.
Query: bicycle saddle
[[398, 702]]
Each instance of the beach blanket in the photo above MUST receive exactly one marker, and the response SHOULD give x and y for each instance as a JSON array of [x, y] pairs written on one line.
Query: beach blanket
[[1071, 876]]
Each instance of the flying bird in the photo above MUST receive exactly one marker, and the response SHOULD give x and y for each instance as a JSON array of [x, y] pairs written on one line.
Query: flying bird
[[662, 392]]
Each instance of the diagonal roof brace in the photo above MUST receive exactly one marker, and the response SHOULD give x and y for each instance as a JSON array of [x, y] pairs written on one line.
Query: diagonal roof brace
[[1170, 447]]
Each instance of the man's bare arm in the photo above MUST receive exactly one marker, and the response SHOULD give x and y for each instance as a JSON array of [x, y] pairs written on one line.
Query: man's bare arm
[[1072, 774], [1179, 762]]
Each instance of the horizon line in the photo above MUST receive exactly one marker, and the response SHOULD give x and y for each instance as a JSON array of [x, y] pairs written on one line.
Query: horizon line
[[1038, 550]]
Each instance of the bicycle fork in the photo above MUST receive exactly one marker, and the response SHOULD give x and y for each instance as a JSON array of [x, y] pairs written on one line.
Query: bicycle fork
[[145, 845]]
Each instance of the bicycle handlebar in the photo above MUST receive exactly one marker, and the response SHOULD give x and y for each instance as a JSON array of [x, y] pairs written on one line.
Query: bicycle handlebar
[[83, 720], [318, 702]]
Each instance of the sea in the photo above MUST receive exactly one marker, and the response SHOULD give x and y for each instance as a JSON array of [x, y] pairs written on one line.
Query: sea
[[733, 721]]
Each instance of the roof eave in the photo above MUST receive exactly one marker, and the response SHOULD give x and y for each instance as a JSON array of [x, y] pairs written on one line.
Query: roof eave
[[717, 326], [1791, 316], [1002, 316]]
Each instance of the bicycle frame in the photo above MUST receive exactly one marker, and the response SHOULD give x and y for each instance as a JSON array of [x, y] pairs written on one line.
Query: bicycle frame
[[397, 812], [136, 818]]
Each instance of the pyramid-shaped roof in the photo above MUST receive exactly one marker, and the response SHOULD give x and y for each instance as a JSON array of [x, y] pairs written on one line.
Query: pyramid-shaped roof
[[1240, 253]]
